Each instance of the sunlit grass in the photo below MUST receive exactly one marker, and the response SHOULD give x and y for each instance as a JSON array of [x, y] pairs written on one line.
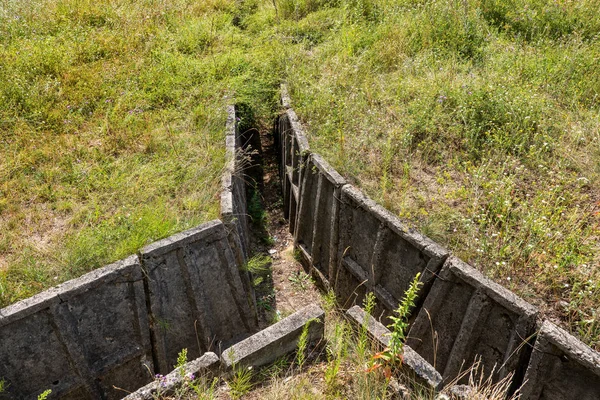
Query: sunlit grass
[[477, 121], [112, 127]]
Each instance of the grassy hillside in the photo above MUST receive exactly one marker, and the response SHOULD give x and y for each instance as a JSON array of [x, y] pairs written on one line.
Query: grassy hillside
[[477, 121], [112, 127]]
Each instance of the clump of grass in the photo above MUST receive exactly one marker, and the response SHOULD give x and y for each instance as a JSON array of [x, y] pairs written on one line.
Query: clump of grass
[[241, 382]]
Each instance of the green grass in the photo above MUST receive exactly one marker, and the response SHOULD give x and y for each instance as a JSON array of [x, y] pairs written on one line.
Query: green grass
[[477, 121], [112, 126]]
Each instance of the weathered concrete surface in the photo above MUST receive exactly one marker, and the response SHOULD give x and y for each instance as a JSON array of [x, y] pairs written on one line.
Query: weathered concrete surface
[[414, 366], [561, 368], [79, 338], [196, 297], [317, 224], [206, 366], [234, 210], [286, 102], [233, 195], [377, 253], [277, 340], [466, 316], [294, 150]]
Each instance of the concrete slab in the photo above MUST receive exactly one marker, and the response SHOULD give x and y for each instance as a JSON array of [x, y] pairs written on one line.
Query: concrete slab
[[80, 338], [466, 316], [377, 252], [414, 367], [205, 366], [561, 368], [195, 294], [277, 340]]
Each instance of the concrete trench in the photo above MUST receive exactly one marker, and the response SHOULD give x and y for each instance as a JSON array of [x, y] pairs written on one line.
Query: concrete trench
[[118, 326]]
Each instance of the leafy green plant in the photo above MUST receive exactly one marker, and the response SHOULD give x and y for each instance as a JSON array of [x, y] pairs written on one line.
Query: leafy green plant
[[391, 357], [337, 349], [303, 344], [300, 280], [44, 395], [241, 382], [363, 338]]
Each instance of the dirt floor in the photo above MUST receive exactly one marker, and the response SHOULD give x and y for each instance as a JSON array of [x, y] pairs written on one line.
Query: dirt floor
[[285, 287], [288, 288]]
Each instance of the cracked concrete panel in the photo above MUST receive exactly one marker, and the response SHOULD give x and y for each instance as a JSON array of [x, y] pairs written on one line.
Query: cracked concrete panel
[[380, 252], [80, 338], [467, 317], [561, 368], [196, 297], [318, 214]]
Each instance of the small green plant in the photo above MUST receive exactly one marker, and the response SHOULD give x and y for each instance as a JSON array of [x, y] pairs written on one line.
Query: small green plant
[[300, 280], [181, 361], [259, 264], [337, 350], [241, 382], [44, 395], [303, 344], [256, 211], [363, 339], [391, 357], [3, 385]]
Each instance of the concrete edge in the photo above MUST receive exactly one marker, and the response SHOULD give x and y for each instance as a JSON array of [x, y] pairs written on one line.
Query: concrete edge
[[285, 96], [229, 169], [212, 228], [574, 348], [497, 292], [327, 170], [206, 365], [298, 131], [421, 242], [129, 269], [424, 372], [277, 340]]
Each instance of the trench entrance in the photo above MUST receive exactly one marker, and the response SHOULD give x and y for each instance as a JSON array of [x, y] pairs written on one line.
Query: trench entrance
[[281, 285]]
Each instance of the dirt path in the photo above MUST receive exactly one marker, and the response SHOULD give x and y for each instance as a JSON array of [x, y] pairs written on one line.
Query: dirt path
[[287, 288]]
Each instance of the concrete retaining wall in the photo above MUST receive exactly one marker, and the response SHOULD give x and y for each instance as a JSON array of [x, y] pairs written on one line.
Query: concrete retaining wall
[[317, 231], [119, 325], [195, 295], [484, 320], [234, 207], [79, 338], [293, 151], [355, 246], [260, 349], [377, 253], [561, 367]]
